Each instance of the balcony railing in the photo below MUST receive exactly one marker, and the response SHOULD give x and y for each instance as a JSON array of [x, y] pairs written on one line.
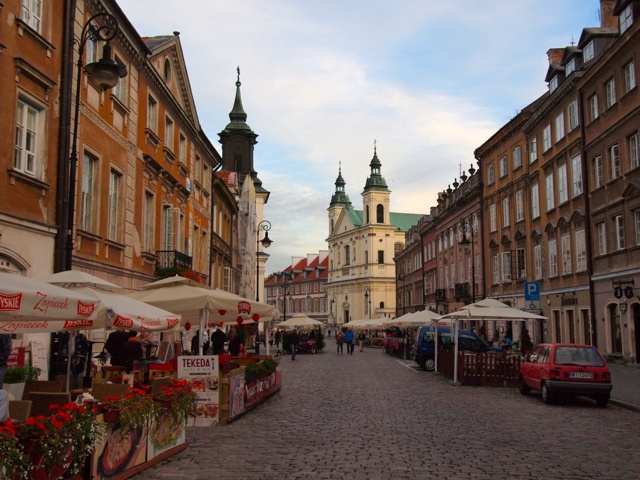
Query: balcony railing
[[441, 294], [462, 291], [173, 259]]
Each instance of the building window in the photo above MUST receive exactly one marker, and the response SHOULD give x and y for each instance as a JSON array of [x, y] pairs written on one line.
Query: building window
[[637, 215], [492, 218], [148, 224], [505, 260], [347, 255], [381, 257], [634, 151], [88, 209], [32, 13], [625, 19], [168, 230], [619, 221], [553, 84], [505, 212], [182, 147], [581, 251], [576, 175], [629, 77], [121, 89], [611, 92], [517, 157], [169, 132], [570, 67], [152, 114], [521, 264], [573, 115], [588, 52], [602, 238], [565, 246], [553, 258], [563, 194], [491, 175], [496, 269], [546, 138], [503, 167], [598, 171], [91, 50], [519, 206], [28, 135], [593, 107], [535, 201], [559, 125], [537, 261], [533, 150], [114, 221], [614, 156], [380, 213], [549, 191]]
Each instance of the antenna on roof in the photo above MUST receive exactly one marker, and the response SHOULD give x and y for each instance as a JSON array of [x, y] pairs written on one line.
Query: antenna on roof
[[573, 43]]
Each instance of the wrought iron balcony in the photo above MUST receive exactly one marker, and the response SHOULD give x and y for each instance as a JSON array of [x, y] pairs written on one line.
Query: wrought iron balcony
[[441, 294], [173, 259], [462, 291]]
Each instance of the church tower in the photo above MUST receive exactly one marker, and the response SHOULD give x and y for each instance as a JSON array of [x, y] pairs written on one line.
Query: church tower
[[339, 200], [376, 195]]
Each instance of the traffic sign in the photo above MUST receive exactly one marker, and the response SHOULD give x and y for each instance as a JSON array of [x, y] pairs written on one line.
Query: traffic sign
[[532, 292]]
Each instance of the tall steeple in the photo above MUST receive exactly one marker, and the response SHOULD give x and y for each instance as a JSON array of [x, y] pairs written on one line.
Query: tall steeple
[[375, 181], [340, 198], [238, 139]]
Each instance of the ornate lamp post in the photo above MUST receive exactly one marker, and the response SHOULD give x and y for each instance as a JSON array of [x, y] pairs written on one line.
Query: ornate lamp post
[[263, 226], [467, 227], [367, 300], [105, 73]]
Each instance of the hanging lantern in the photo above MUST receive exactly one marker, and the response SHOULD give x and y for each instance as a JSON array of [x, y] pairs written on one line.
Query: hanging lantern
[[220, 324], [239, 320], [222, 312], [187, 326], [256, 317]]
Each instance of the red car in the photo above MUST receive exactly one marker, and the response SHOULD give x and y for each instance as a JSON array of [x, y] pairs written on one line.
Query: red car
[[566, 369]]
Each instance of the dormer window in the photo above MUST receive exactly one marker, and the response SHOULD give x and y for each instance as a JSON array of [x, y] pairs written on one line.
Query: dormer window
[[553, 84], [588, 52], [625, 18], [571, 67]]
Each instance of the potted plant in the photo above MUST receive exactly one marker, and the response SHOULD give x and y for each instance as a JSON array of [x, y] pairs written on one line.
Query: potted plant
[[177, 399], [62, 441], [134, 409], [16, 378], [11, 455], [257, 370]]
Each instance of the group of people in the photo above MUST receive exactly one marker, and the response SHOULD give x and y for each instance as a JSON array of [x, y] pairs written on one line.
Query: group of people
[[349, 338]]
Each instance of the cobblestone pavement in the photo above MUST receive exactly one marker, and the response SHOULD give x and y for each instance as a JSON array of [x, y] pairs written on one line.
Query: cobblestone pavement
[[372, 416]]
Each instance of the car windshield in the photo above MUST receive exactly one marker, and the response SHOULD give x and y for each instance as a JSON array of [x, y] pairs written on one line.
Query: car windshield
[[572, 355]]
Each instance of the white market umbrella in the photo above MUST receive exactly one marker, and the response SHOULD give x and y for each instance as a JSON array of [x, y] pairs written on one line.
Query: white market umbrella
[[356, 323], [191, 299], [75, 278], [300, 321], [415, 319], [33, 306]]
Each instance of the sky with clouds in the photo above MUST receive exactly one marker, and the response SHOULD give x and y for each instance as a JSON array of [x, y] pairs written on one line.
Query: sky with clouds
[[428, 80]]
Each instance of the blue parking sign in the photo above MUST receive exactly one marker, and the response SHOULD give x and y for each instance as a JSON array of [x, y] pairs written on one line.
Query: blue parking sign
[[531, 291]]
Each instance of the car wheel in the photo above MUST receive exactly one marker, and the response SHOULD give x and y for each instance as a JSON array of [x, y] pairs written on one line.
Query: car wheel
[[524, 389], [602, 400], [546, 394], [313, 350], [430, 365]]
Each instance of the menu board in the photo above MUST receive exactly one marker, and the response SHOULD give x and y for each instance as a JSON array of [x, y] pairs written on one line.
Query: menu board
[[205, 368]]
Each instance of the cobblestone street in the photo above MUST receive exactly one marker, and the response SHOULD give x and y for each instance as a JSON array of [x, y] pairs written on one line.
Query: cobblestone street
[[372, 416]]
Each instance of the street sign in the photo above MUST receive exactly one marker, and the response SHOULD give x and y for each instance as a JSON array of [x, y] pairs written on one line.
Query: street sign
[[532, 292]]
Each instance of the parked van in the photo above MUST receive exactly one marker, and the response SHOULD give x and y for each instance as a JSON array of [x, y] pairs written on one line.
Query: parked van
[[424, 350]]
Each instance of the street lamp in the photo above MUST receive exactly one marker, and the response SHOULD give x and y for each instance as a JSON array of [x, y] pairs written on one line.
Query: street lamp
[[105, 73], [263, 226], [367, 300], [465, 227]]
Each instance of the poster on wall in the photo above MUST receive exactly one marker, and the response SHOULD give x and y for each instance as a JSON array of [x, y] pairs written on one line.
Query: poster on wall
[[205, 368], [165, 433], [236, 395], [123, 449]]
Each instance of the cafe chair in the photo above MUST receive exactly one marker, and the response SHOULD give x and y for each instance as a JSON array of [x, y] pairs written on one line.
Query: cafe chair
[[100, 391], [158, 382], [56, 386], [41, 401], [20, 409]]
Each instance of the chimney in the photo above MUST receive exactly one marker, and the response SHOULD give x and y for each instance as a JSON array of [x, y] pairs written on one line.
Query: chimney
[[555, 55], [607, 18]]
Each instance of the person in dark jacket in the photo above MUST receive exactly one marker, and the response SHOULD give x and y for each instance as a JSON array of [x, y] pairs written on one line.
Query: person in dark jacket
[[115, 344], [234, 343], [218, 338], [294, 340], [131, 352]]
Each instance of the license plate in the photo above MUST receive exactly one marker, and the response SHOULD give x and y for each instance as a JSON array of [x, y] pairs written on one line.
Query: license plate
[[580, 375]]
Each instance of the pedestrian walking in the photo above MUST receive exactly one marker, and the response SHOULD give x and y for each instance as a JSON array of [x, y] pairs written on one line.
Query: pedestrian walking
[[349, 337], [278, 336], [361, 338], [294, 340], [339, 342]]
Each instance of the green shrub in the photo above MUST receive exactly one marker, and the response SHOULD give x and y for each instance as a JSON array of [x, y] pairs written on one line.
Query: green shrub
[[21, 374], [319, 340], [256, 370]]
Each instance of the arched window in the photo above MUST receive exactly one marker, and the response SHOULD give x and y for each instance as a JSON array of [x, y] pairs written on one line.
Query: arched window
[[367, 221], [380, 214]]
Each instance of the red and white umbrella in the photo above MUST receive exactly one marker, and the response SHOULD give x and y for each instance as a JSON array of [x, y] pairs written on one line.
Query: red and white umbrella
[[29, 306]]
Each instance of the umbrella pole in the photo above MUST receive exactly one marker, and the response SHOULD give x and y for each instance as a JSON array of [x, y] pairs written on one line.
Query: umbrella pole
[[436, 350], [69, 347], [454, 335], [203, 322]]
